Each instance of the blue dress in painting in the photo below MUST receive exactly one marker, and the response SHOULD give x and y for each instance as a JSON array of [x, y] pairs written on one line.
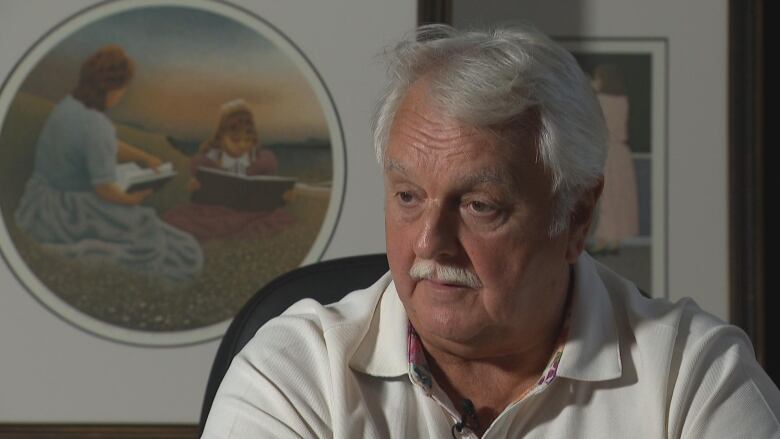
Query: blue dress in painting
[[77, 150]]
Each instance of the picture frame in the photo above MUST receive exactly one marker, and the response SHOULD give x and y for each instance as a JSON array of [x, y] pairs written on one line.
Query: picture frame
[[144, 273], [749, 303], [98, 431], [639, 68]]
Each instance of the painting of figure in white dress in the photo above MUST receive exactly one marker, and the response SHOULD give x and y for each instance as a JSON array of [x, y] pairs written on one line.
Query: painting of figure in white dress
[[628, 77], [159, 164], [618, 215]]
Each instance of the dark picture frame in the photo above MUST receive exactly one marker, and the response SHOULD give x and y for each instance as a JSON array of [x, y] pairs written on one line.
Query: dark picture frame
[[95, 431], [746, 174]]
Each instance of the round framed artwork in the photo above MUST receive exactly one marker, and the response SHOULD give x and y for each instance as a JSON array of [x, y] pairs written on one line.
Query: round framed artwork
[[160, 162]]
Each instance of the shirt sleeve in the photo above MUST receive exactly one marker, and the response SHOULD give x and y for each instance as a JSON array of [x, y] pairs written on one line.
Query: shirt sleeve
[[722, 392], [277, 386], [100, 148]]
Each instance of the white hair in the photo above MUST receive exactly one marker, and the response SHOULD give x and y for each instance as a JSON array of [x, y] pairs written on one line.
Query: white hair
[[490, 79]]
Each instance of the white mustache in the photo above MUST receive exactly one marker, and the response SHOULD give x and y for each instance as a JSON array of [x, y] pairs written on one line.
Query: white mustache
[[444, 274]]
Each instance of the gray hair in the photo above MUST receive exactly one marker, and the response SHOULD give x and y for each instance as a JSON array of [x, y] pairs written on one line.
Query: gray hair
[[493, 78]]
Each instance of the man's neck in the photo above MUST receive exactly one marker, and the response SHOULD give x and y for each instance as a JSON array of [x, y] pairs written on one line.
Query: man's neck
[[493, 382]]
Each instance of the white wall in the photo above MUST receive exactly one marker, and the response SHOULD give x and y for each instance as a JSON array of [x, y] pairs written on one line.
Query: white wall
[[697, 32], [52, 372]]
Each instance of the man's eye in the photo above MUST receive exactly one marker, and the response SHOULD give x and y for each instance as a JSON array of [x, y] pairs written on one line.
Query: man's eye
[[405, 197], [481, 208]]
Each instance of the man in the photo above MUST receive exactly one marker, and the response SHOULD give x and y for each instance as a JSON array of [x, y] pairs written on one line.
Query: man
[[492, 321]]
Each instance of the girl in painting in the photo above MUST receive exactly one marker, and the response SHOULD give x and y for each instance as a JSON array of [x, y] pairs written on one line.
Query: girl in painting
[[619, 214], [235, 148], [72, 203]]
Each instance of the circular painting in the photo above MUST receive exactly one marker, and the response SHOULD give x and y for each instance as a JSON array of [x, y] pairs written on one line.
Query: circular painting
[[160, 162]]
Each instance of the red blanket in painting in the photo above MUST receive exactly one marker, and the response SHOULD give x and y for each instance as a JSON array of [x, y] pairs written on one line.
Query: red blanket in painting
[[207, 222]]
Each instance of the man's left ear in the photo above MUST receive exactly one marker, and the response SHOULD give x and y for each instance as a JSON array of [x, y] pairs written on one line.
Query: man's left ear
[[581, 219]]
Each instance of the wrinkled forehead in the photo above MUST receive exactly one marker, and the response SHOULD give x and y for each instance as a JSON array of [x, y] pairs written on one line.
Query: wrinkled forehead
[[423, 130]]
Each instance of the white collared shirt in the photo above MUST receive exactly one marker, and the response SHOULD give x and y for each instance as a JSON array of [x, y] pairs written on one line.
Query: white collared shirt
[[237, 165], [632, 367]]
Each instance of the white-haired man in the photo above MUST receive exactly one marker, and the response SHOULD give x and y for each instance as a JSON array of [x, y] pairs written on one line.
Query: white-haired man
[[492, 321]]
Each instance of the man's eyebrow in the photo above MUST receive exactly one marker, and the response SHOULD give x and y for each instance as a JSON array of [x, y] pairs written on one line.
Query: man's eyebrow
[[488, 175], [392, 165]]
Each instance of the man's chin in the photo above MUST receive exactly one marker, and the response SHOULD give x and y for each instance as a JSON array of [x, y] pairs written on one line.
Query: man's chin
[[452, 323]]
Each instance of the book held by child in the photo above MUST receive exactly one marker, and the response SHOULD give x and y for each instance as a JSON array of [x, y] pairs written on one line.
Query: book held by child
[[241, 192]]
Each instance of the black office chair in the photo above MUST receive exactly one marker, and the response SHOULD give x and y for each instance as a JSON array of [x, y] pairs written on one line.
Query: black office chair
[[325, 282]]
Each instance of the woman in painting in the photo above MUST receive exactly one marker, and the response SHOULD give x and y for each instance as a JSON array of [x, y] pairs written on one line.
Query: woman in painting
[[619, 214], [234, 148], [72, 203]]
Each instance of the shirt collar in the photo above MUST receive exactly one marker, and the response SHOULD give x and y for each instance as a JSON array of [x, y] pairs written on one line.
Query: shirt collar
[[382, 351], [590, 354]]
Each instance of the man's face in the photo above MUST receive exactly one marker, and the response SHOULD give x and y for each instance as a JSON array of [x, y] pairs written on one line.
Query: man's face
[[460, 197]]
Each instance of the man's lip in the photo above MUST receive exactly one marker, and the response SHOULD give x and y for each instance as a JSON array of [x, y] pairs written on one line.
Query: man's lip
[[440, 284]]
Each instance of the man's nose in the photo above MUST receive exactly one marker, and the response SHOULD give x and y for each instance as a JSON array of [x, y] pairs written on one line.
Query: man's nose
[[437, 236]]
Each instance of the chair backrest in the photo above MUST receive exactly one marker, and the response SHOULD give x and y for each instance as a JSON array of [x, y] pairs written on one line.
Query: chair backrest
[[325, 282]]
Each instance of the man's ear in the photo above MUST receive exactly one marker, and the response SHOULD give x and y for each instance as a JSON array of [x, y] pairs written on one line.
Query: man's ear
[[581, 219]]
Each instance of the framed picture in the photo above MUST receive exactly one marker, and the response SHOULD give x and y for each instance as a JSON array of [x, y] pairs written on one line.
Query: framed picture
[[228, 110], [160, 161], [629, 234]]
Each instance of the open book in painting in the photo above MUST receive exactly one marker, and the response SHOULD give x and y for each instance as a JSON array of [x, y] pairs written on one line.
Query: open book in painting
[[131, 177], [250, 193]]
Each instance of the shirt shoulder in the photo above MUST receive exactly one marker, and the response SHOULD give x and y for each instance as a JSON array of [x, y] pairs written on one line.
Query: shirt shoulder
[[717, 387], [646, 314], [714, 384], [311, 334], [290, 374], [680, 330], [355, 309]]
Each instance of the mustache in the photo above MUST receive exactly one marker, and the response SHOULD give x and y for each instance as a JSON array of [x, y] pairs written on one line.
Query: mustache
[[444, 273]]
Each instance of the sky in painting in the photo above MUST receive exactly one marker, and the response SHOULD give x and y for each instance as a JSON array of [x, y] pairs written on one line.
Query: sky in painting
[[188, 63]]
